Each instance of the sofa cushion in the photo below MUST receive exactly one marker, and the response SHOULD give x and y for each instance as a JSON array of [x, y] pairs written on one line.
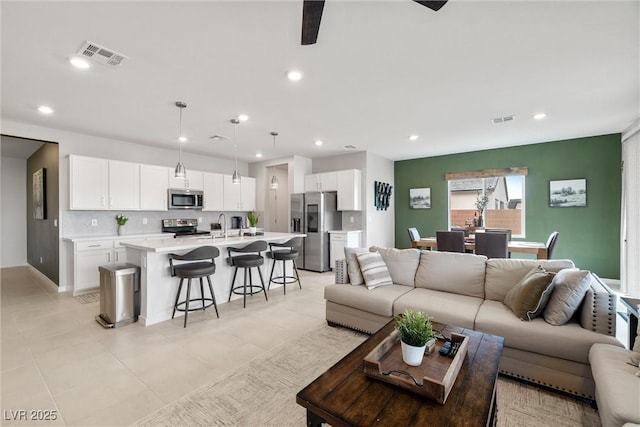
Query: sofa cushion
[[458, 273], [444, 307], [402, 263], [617, 388], [570, 341], [377, 301], [374, 270], [530, 294], [353, 267], [504, 273], [569, 287]]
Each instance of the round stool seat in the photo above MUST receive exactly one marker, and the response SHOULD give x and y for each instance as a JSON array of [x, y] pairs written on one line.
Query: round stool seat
[[249, 260], [194, 269], [284, 255]]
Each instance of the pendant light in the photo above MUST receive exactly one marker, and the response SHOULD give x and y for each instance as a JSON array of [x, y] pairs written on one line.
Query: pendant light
[[274, 179], [235, 178], [181, 171]]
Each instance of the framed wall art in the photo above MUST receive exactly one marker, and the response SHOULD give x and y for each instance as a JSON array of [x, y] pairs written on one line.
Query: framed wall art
[[39, 194], [568, 193], [420, 198]]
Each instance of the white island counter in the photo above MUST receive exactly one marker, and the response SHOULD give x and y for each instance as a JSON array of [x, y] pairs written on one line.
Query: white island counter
[[157, 287]]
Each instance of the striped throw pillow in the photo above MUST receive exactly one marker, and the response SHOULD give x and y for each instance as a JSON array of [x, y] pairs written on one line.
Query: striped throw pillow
[[374, 270]]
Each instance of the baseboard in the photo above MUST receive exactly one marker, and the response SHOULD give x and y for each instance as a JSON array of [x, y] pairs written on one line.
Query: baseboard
[[50, 283]]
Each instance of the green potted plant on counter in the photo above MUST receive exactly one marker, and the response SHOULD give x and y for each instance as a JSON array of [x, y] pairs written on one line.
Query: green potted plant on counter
[[252, 218], [121, 220], [416, 330]]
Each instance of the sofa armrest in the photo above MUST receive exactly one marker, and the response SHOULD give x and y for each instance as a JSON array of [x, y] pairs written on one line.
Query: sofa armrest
[[598, 311], [342, 277]]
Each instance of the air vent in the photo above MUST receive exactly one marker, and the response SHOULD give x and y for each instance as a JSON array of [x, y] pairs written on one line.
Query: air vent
[[101, 55], [349, 147], [504, 119], [218, 137]]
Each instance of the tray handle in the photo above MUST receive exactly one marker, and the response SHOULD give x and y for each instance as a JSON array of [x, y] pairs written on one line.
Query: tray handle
[[403, 372]]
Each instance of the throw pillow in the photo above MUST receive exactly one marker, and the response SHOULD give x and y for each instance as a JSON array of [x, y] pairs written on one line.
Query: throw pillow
[[374, 270], [353, 267], [402, 263], [570, 286], [528, 295]]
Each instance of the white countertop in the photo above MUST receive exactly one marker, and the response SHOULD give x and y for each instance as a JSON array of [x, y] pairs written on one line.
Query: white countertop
[[172, 244], [140, 236], [344, 231]]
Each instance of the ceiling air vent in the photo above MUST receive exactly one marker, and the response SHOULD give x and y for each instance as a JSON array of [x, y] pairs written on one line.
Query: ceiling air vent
[[218, 137], [504, 119], [349, 147], [101, 55]]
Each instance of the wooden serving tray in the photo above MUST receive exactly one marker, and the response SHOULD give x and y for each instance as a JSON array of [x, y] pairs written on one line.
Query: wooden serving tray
[[433, 379]]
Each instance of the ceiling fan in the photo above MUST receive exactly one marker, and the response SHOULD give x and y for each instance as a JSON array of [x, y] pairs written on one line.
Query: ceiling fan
[[312, 13]]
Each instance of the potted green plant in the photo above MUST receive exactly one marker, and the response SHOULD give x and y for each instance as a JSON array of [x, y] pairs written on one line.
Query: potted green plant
[[416, 330], [121, 220], [252, 218]]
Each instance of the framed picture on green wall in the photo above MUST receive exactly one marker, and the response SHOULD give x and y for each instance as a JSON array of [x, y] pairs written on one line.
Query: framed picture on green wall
[[420, 198], [568, 193]]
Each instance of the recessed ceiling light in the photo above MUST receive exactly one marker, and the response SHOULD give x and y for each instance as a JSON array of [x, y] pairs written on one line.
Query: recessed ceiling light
[[294, 75], [413, 137], [540, 116], [318, 142], [44, 109], [258, 155], [243, 117], [182, 139], [79, 63]]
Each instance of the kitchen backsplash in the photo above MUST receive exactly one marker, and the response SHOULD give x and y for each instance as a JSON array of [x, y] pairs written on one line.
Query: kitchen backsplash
[[78, 223]]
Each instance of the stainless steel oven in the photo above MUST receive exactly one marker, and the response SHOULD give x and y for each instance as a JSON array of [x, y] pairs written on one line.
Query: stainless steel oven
[[185, 199]]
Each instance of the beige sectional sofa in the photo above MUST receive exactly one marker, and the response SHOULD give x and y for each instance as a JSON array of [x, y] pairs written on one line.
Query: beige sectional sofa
[[468, 290]]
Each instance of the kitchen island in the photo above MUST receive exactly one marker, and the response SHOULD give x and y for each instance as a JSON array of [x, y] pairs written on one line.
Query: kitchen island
[[157, 287]]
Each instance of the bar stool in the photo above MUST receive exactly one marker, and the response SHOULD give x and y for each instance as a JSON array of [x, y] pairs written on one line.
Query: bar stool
[[284, 252], [252, 258], [194, 270]]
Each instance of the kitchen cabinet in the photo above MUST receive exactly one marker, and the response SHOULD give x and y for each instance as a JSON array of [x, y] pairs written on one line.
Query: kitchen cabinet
[[154, 183], [340, 239], [239, 197], [213, 186], [193, 181], [88, 256], [101, 184], [349, 190], [326, 181]]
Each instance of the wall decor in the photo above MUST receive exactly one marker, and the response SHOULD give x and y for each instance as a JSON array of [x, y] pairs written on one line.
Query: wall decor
[[381, 194], [39, 194], [568, 193], [420, 198]]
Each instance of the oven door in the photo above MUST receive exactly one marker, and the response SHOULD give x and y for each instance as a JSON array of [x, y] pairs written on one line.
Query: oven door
[[185, 199]]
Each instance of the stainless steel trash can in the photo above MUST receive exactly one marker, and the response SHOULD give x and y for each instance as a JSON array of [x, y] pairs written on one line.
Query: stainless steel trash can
[[119, 295]]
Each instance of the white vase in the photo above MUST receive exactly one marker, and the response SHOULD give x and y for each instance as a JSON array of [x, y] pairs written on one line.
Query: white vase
[[412, 355], [120, 230], [253, 230]]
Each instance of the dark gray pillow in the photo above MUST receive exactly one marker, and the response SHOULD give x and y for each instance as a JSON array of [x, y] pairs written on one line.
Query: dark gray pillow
[[525, 297], [570, 286]]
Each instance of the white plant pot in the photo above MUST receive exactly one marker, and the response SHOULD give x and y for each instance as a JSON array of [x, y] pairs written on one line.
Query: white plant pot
[[253, 230], [411, 355]]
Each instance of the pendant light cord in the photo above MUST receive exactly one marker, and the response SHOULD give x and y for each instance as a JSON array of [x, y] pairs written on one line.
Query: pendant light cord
[[235, 144], [180, 136]]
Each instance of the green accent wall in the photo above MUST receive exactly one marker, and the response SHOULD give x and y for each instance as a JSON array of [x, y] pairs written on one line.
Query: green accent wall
[[590, 235]]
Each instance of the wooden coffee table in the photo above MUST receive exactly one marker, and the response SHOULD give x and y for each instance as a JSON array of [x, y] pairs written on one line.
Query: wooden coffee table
[[345, 396]]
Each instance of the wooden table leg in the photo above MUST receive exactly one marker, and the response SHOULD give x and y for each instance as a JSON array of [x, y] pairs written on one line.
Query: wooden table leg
[[313, 420]]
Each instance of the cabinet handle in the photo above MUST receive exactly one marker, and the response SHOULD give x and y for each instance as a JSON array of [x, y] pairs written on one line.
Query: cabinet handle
[[108, 257], [94, 246], [102, 201], [110, 202], [116, 256]]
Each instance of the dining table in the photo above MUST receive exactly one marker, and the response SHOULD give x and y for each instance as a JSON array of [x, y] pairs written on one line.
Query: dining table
[[517, 246]]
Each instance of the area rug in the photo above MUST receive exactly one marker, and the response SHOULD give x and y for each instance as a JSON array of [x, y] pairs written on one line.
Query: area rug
[[262, 393], [88, 297]]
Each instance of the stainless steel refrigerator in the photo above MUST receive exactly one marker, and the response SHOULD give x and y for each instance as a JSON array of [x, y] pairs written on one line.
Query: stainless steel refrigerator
[[321, 215], [298, 223]]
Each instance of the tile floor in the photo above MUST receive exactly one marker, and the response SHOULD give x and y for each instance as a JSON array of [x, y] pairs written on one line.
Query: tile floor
[[56, 357]]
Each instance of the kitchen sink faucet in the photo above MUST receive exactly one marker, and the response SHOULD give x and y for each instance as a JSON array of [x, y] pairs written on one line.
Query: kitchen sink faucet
[[224, 224]]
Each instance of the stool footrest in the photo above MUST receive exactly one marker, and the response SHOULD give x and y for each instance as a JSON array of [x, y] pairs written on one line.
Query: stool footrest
[[284, 280], [180, 306], [240, 290]]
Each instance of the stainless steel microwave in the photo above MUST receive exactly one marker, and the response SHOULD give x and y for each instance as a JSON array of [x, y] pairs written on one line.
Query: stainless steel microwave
[[185, 199]]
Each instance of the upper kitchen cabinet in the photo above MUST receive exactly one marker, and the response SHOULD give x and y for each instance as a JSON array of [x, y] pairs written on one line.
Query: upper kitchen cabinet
[[193, 181], [213, 186], [326, 181], [349, 190], [154, 183], [239, 197], [100, 184]]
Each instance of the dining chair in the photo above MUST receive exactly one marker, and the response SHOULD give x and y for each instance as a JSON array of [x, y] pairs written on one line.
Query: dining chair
[[465, 230], [551, 243], [450, 241], [499, 230], [414, 236], [492, 245]]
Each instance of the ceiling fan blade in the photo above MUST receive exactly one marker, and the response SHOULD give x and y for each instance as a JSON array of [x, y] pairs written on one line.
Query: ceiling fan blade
[[311, 15], [433, 5]]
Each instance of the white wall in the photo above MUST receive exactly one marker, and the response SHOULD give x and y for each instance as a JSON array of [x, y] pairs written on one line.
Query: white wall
[[13, 201], [380, 229]]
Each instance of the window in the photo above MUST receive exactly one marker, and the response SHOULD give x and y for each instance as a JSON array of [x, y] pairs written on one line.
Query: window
[[489, 199]]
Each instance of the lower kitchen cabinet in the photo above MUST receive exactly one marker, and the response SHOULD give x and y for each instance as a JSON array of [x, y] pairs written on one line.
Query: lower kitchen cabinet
[[340, 239]]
